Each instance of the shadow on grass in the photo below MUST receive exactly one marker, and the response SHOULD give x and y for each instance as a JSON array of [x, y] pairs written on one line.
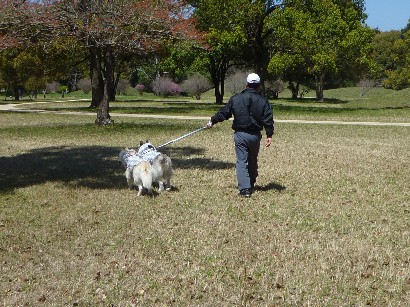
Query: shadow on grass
[[94, 167], [271, 186], [78, 166], [321, 109], [310, 100]]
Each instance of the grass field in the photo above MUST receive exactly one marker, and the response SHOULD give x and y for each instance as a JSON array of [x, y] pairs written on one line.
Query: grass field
[[327, 226]]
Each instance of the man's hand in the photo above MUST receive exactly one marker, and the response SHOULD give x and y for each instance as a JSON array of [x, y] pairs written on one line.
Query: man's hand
[[208, 125], [268, 141]]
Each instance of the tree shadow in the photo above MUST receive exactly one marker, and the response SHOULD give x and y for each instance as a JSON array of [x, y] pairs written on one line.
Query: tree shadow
[[314, 100], [94, 167]]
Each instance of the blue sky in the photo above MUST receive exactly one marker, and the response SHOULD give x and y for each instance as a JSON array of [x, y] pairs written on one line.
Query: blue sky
[[387, 14]]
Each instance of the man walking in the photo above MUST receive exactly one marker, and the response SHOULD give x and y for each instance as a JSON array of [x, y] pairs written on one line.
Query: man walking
[[252, 112]]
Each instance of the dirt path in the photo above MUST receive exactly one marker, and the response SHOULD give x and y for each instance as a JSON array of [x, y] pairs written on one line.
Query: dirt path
[[12, 107]]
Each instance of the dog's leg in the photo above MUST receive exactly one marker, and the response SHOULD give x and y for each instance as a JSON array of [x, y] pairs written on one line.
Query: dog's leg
[[140, 189], [130, 180], [161, 186], [168, 187], [149, 191]]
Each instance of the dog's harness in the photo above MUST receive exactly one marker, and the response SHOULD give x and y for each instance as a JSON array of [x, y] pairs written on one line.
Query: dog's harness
[[147, 152], [131, 159]]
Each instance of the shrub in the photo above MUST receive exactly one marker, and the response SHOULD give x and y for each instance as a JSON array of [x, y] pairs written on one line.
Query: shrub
[[165, 87], [196, 85], [273, 88], [397, 79], [84, 85], [123, 87], [140, 88], [236, 82], [52, 87], [366, 84]]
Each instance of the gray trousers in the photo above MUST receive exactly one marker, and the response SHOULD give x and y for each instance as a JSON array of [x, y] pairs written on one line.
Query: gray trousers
[[247, 150]]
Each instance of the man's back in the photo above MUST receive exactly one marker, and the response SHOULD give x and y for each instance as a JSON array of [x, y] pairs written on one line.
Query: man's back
[[251, 112]]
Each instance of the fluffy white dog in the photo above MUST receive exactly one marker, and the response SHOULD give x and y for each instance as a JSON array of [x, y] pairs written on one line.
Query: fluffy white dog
[[161, 165], [140, 176], [137, 171]]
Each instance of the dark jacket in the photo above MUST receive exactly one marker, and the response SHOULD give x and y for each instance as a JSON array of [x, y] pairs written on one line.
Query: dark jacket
[[251, 111]]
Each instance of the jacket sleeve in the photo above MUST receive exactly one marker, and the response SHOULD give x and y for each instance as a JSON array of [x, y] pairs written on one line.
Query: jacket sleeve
[[223, 114], [267, 119]]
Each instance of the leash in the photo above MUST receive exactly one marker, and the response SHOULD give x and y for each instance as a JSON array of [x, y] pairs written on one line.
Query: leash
[[181, 137]]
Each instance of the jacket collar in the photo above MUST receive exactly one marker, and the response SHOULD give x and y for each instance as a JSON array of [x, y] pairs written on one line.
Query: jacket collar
[[251, 90]]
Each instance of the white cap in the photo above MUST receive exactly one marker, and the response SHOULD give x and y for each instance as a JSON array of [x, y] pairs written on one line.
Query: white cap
[[253, 78]]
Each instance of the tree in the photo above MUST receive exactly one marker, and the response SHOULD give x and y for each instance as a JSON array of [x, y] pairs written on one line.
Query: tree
[[104, 28], [41, 64], [260, 34], [222, 56], [8, 72], [30, 70], [406, 28], [383, 50], [320, 39], [183, 59], [112, 27], [398, 77], [225, 38], [236, 35]]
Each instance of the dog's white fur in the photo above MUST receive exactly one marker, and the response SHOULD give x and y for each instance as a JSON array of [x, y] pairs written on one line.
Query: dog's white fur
[[141, 176], [161, 171]]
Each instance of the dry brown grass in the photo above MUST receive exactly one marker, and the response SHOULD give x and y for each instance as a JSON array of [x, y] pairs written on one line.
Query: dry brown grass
[[328, 225]]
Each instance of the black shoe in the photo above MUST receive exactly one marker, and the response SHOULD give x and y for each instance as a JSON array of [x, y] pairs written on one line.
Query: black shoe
[[245, 193]]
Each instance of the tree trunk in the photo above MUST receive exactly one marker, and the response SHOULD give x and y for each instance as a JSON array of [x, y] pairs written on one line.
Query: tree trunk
[[217, 70], [319, 86], [294, 89], [97, 82], [223, 70], [113, 90], [103, 116], [260, 59], [16, 93], [222, 74], [216, 80], [256, 38]]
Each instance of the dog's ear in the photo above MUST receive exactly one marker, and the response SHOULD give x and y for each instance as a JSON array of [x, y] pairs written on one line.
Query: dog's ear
[[141, 143]]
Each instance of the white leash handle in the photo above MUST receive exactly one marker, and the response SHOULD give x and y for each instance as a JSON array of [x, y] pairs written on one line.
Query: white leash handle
[[181, 137]]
